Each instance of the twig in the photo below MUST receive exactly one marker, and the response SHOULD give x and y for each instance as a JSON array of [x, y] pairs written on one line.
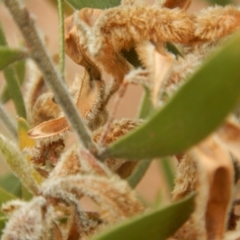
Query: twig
[[51, 75]]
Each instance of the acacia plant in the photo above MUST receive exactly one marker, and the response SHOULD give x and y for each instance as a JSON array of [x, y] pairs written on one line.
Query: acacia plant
[[188, 65]]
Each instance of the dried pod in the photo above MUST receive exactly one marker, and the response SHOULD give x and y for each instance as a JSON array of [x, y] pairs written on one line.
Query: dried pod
[[158, 63], [47, 152], [119, 128], [126, 26], [113, 196], [44, 109], [39, 101], [183, 4], [216, 22], [75, 162], [75, 43], [34, 89], [27, 222], [213, 182], [78, 36], [89, 102]]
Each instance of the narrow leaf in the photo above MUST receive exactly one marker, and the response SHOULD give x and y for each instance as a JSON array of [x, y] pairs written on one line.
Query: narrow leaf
[[220, 2], [5, 196], [3, 41], [8, 123], [11, 184], [167, 169], [68, 10], [23, 139], [19, 67], [132, 57], [9, 56], [196, 110], [61, 36], [23, 142], [15, 91], [140, 170], [12, 83], [78, 4], [138, 173], [18, 164], [157, 225], [146, 105], [3, 220]]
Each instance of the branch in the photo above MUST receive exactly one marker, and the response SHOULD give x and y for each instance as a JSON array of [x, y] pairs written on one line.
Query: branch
[[51, 75]]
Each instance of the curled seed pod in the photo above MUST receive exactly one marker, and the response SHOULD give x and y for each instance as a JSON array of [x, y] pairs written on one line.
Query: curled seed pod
[[80, 29], [113, 196], [75, 45], [213, 181], [216, 22], [90, 103], [44, 109]]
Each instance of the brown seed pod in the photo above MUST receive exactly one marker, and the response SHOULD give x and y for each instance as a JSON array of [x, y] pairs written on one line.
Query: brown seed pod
[[89, 103]]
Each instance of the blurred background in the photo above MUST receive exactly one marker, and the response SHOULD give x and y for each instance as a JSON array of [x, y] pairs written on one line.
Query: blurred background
[[153, 185]]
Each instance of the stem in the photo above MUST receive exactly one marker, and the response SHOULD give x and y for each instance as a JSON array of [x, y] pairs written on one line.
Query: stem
[[138, 173], [61, 36], [146, 108], [51, 75], [167, 169], [8, 123]]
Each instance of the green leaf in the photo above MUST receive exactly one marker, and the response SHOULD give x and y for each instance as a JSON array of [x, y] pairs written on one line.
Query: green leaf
[[132, 57], [3, 221], [12, 83], [26, 195], [19, 68], [102, 4], [220, 2], [146, 105], [18, 164], [68, 10], [15, 91], [9, 56], [5, 196], [167, 168], [196, 110], [138, 173], [156, 225], [24, 141], [3, 41], [11, 184], [61, 36], [173, 49], [140, 170]]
